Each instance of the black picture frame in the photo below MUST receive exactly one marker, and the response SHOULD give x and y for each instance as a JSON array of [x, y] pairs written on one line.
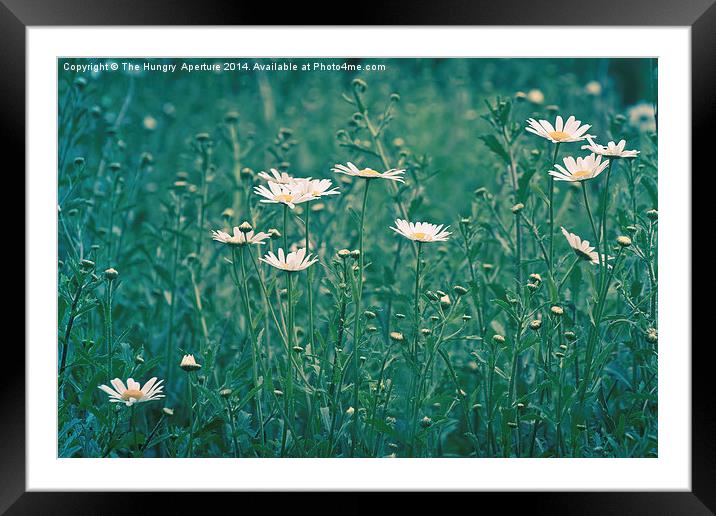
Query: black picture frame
[[700, 15]]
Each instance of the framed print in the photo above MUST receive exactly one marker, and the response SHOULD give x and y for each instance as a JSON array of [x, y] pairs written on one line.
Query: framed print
[[391, 257]]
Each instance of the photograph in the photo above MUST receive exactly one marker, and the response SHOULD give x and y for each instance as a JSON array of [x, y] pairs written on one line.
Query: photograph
[[394, 257]]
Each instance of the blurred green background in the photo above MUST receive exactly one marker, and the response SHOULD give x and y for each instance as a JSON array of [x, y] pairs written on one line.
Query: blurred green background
[[439, 115]]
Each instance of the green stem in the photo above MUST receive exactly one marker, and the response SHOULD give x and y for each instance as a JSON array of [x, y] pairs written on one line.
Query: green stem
[[603, 223], [356, 323], [68, 331], [108, 320], [255, 356], [416, 305], [175, 260], [309, 276], [133, 428], [591, 222], [569, 271], [551, 211], [237, 450], [289, 405], [191, 417]]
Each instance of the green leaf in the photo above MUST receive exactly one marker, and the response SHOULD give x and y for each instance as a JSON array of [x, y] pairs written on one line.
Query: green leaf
[[495, 146]]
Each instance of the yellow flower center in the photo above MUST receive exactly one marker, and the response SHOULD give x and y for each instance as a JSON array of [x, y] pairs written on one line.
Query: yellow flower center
[[579, 174], [559, 135], [284, 198], [369, 172], [419, 236], [132, 393]]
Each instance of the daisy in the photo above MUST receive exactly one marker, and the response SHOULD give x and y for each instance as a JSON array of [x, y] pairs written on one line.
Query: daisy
[[642, 117], [421, 231], [316, 188], [282, 194], [581, 247], [613, 150], [281, 178], [580, 169], [132, 393], [296, 261], [239, 237], [369, 173], [188, 363], [570, 131]]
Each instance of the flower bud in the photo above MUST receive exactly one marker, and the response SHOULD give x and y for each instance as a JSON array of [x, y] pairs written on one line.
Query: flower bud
[[535, 96], [369, 315], [111, 274], [231, 117], [396, 336], [274, 233], [652, 335], [445, 301], [188, 364], [518, 208], [426, 422], [86, 266], [168, 411], [557, 310], [459, 290], [652, 214], [432, 296], [245, 227], [355, 254], [536, 324], [400, 316], [624, 241], [426, 331], [481, 192], [570, 336], [498, 339], [225, 393]]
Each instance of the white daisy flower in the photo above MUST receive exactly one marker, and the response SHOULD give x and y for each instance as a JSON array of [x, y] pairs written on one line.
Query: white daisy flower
[[581, 247], [642, 117], [296, 261], [421, 231], [239, 237], [613, 150], [281, 178], [369, 173], [281, 194], [569, 131], [132, 393], [580, 169], [315, 188]]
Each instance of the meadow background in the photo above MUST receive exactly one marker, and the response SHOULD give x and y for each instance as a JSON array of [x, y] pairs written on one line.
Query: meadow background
[[149, 163]]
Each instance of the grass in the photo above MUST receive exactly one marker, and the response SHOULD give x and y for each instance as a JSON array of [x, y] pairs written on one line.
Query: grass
[[499, 342]]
